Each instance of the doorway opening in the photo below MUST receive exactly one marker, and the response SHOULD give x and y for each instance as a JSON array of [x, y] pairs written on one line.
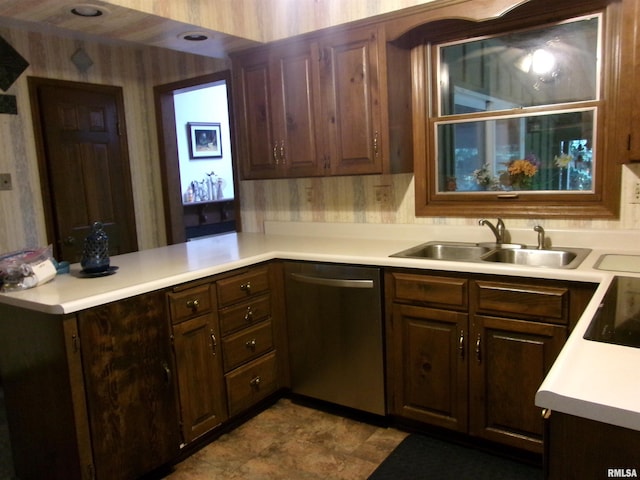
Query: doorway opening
[[195, 131]]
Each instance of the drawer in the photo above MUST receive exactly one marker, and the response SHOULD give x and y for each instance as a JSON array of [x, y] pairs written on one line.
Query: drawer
[[240, 287], [244, 314], [440, 291], [251, 383], [189, 303], [246, 345], [536, 301]]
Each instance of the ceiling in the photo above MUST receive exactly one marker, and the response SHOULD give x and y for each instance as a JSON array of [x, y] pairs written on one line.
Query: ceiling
[[118, 24], [230, 25]]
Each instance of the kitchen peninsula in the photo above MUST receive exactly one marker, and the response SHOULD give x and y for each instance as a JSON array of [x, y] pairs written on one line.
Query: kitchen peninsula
[[39, 327]]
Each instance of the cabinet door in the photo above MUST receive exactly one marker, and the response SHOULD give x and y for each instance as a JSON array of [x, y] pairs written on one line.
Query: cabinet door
[[429, 365], [257, 144], [630, 65], [349, 69], [509, 361], [131, 398], [200, 377], [294, 77]]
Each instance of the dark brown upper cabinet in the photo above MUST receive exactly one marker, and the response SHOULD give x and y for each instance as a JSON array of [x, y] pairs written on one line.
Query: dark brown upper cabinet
[[321, 105]]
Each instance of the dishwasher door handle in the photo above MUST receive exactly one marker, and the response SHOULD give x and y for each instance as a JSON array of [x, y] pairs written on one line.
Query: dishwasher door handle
[[333, 282]]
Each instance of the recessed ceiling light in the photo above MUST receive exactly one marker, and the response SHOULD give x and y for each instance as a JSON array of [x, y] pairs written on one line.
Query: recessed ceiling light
[[194, 36], [87, 10]]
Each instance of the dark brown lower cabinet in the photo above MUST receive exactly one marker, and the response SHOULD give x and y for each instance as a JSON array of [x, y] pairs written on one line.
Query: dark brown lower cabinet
[[509, 359], [90, 395], [468, 352], [129, 383], [200, 379], [578, 448], [430, 381]]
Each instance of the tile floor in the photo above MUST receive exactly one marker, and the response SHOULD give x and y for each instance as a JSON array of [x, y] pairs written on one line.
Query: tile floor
[[292, 441]]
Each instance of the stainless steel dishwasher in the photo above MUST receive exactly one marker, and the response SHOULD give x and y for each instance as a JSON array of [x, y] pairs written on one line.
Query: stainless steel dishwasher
[[334, 317]]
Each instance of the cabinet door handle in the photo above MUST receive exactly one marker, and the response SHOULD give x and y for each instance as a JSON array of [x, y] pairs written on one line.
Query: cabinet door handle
[[255, 382], [461, 344], [275, 153], [246, 287], [167, 373], [478, 350], [282, 155], [193, 304], [248, 316], [251, 344], [214, 343], [375, 144]]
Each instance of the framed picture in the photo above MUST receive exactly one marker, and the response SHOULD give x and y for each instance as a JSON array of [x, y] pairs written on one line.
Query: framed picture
[[204, 140]]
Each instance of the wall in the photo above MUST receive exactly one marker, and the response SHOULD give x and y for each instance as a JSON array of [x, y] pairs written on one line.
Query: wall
[[342, 199], [352, 200], [136, 70], [204, 105]]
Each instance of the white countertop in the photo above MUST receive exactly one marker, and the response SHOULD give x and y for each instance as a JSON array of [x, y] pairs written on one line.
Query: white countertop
[[589, 379]]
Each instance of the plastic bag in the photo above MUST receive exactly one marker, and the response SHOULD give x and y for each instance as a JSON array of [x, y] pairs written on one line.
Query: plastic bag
[[26, 268]]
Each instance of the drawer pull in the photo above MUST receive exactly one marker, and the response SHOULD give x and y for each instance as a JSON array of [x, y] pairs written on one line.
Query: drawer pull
[[193, 304], [248, 316], [214, 343], [246, 287], [255, 382], [251, 344]]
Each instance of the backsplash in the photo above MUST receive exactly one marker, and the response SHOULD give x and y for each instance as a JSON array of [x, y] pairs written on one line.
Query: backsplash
[[362, 199]]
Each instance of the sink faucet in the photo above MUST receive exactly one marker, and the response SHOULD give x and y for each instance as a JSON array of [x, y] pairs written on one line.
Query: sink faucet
[[541, 239], [498, 229]]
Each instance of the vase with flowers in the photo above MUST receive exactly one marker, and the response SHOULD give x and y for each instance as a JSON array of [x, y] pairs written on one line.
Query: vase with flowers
[[519, 174], [563, 161], [483, 178]]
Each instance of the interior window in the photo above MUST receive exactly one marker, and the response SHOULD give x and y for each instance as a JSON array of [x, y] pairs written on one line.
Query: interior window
[[518, 112]]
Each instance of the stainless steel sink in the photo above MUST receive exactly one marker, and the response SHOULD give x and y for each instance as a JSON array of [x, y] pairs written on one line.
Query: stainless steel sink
[[554, 258], [515, 254], [446, 251]]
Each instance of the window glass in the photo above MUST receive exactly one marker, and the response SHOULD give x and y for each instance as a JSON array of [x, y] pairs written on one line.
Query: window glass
[[519, 110]]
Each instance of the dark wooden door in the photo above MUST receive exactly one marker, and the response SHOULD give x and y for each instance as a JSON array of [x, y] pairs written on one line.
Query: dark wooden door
[[130, 388], [431, 378], [84, 165], [509, 361], [351, 102], [259, 152], [296, 105], [200, 376]]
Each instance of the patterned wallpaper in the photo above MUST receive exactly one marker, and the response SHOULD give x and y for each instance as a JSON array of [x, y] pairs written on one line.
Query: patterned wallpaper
[[355, 200], [136, 69]]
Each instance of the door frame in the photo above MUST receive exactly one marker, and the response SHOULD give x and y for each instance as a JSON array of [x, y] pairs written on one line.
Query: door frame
[[34, 84], [168, 150]]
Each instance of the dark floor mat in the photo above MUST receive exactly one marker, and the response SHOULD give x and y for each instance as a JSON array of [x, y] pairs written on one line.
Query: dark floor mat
[[420, 457]]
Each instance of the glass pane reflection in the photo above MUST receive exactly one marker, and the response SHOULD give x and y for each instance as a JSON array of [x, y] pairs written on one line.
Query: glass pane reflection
[[543, 66], [551, 152]]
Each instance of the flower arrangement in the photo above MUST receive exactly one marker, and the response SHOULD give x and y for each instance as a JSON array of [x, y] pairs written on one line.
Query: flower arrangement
[[520, 172], [483, 177], [562, 160]]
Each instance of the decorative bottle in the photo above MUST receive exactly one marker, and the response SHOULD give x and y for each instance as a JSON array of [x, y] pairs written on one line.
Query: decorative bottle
[[95, 254]]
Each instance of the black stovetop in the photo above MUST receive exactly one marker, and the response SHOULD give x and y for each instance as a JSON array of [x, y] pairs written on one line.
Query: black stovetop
[[618, 317]]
